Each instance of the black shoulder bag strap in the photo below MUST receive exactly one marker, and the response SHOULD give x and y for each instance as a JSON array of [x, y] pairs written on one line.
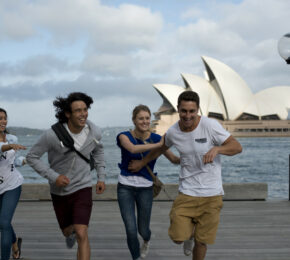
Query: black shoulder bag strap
[[67, 140]]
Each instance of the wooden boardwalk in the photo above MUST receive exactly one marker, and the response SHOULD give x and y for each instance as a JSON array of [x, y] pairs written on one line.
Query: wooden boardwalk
[[249, 230]]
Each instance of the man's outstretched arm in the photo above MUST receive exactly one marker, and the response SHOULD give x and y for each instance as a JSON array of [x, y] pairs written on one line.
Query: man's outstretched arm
[[137, 165]]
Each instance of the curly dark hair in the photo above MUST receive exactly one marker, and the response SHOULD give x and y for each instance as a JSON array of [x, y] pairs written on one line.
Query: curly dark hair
[[4, 111], [63, 105]]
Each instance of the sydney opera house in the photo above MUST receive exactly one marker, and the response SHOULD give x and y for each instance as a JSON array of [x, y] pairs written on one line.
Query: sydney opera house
[[226, 97]]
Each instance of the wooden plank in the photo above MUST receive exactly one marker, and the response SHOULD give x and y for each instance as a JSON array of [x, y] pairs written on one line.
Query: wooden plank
[[249, 230]]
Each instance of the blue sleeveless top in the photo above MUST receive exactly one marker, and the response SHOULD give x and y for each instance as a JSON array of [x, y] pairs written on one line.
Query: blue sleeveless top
[[126, 156]]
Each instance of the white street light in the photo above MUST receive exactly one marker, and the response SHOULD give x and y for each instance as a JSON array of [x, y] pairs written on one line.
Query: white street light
[[284, 47]]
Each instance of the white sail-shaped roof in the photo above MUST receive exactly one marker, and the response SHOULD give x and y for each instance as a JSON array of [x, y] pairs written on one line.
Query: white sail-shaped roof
[[169, 92], [225, 95], [210, 101], [252, 108], [275, 100], [233, 91]]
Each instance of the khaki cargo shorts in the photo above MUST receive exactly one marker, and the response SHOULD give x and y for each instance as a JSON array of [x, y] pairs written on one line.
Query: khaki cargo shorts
[[201, 214]]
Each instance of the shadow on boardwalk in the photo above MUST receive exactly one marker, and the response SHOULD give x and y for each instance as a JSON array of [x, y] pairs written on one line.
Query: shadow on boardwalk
[[249, 230]]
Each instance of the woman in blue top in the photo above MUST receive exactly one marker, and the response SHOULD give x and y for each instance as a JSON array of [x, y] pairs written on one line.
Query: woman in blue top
[[136, 188], [10, 189]]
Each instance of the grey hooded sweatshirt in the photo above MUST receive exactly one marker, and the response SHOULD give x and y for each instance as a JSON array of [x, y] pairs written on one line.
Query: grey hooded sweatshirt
[[68, 163]]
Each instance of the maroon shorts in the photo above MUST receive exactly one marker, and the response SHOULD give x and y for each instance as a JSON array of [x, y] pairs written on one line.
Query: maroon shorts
[[74, 208]]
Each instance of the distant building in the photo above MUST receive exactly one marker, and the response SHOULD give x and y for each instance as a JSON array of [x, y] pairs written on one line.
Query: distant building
[[226, 97]]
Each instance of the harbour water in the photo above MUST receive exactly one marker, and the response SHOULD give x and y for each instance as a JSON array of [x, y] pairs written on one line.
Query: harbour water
[[262, 160]]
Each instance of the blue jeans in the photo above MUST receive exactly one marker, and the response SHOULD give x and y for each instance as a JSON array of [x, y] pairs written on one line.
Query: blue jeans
[[128, 197], [8, 203]]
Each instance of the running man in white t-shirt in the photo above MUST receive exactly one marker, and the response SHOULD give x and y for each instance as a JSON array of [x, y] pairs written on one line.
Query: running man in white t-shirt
[[195, 213]]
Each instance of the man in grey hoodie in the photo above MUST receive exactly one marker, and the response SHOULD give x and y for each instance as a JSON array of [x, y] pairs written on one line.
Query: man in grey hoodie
[[68, 173]]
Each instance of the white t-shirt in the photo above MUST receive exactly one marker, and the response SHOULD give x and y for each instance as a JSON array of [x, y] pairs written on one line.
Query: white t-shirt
[[10, 177], [80, 138], [196, 178], [134, 180]]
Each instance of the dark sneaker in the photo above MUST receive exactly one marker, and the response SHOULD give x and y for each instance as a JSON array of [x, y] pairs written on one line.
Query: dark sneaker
[[70, 240], [188, 246]]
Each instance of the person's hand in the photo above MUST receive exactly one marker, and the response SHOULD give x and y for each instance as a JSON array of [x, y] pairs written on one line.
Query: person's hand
[[17, 147], [100, 187], [210, 155], [135, 165], [62, 181], [24, 161]]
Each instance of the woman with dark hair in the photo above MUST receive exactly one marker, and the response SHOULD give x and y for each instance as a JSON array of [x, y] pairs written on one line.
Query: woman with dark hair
[[10, 189], [136, 189]]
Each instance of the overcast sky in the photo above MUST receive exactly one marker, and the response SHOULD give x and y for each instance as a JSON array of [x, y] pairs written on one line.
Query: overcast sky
[[115, 50]]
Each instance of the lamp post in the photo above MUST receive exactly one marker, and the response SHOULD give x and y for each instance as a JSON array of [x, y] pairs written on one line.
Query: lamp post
[[284, 47], [284, 51]]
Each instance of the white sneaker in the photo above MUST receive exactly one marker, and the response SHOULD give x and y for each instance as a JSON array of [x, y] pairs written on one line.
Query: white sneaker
[[70, 240], [144, 249], [188, 246]]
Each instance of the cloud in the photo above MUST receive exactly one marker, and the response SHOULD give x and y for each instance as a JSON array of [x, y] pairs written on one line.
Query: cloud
[[244, 36], [255, 19], [209, 37], [192, 14], [116, 51], [107, 64], [112, 34], [36, 66], [126, 26], [15, 23], [97, 88], [129, 28]]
